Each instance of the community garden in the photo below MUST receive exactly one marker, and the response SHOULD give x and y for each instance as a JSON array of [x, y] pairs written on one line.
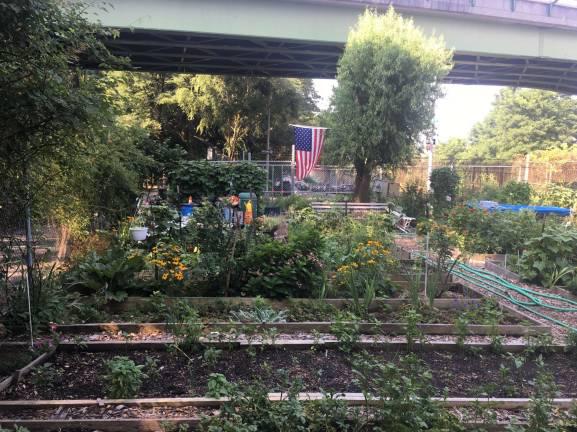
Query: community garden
[[211, 305], [321, 321]]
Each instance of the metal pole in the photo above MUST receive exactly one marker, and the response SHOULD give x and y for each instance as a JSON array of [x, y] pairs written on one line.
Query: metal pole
[[268, 144], [429, 165], [29, 250], [293, 169]]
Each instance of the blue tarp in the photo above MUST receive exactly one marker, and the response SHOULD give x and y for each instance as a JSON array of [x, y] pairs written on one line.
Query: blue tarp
[[541, 210]]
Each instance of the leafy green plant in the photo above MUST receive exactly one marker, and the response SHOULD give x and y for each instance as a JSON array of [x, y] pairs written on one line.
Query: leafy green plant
[[542, 400], [109, 275], [259, 315], [211, 356], [44, 374], [151, 368], [462, 329], [123, 377], [185, 326], [571, 342], [285, 269], [203, 179], [347, 334], [444, 183], [403, 392], [218, 386], [413, 200], [544, 255], [413, 332]]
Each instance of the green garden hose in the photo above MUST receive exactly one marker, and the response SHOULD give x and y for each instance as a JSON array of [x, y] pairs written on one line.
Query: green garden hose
[[505, 289]]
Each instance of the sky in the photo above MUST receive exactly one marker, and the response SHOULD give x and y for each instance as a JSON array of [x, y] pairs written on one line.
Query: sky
[[456, 113]]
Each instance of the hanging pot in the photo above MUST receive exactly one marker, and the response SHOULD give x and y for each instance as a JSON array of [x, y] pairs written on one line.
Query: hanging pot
[[139, 233]]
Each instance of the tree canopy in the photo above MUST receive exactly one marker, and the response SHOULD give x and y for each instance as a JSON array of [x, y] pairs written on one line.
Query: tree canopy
[[388, 80], [229, 113], [521, 121]]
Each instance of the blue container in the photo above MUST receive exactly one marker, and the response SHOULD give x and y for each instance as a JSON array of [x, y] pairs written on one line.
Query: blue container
[[186, 210]]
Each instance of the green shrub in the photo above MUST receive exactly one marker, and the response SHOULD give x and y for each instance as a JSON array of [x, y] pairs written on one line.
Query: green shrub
[[109, 275], [414, 200], [123, 378], [277, 269], [292, 202], [481, 231], [548, 254], [444, 183], [514, 192], [203, 179], [555, 194]]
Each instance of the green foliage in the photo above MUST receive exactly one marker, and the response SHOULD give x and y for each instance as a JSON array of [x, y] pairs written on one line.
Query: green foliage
[[480, 231], [388, 79], [542, 400], [109, 275], [548, 254], [292, 202], [554, 194], [252, 411], [444, 183], [285, 269], [229, 113], [203, 179], [413, 332], [512, 192], [522, 121], [347, 333], [462, 328], [185, 326], [211, 356], [403, 393], [262, 313], [123, 378], [50, 302], [414, 200], [16, 428], [218, 386]]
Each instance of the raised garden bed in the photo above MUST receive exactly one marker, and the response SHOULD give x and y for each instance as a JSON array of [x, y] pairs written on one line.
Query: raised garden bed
[[159, 329], [78, 375], [144, 415]]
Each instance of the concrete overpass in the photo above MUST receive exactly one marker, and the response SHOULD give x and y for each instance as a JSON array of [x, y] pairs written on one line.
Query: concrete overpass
[[497, 42]]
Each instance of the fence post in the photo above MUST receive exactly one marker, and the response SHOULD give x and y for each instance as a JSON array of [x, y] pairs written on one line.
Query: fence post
[[527, 161]]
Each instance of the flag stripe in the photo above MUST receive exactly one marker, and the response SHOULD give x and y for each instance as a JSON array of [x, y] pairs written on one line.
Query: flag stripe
[[308, 147]]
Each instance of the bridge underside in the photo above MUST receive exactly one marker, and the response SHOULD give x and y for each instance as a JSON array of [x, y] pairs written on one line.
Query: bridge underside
[[163, 51]]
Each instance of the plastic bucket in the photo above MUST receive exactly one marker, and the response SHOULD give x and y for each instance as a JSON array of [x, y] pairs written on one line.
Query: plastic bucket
[[186, 210]]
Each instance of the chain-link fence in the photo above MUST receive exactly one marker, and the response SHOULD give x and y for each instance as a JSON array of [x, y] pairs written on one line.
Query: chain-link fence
[[322, 180], [474, 176]]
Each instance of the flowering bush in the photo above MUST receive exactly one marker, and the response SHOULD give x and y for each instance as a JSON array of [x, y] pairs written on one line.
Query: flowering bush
[[173, 261], [367, 267]]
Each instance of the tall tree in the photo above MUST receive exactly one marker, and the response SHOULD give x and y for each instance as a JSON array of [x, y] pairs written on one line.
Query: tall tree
[[230, 113], [388, 80], [46, 103], [451, 151], [523, 121]]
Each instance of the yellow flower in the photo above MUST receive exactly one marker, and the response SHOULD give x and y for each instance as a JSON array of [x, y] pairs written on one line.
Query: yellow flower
[[164, 276]]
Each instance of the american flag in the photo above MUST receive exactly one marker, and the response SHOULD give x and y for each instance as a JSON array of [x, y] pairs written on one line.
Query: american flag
[[308, 145]]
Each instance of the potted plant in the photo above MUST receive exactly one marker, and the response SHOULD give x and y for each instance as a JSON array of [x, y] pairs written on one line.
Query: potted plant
[[138, 230]]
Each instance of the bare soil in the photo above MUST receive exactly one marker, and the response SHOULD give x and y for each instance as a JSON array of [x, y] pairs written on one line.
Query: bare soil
[[79, 375]]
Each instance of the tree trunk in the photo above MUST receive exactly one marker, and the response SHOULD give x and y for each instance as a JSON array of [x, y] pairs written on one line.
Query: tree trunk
[[362, 192]]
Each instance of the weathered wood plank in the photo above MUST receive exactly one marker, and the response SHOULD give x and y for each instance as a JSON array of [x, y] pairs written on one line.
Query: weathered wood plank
[[308, 326]]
